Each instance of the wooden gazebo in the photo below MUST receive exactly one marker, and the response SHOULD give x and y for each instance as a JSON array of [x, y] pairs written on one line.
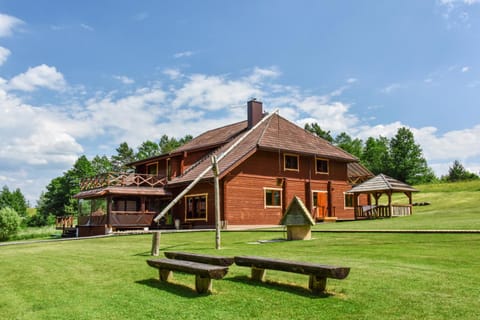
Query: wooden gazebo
[[376, 187]]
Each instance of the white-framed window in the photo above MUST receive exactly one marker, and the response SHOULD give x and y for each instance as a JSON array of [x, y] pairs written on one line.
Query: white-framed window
[[196, 207], [272, 197], [321, 166], [291, 162], [349, 200]]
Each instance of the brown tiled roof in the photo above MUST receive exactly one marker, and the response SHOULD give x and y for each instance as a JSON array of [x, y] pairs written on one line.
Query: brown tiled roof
[[287, 136], [276, 133], [208, 139], [144, 191], [214, 137], [357, 170]]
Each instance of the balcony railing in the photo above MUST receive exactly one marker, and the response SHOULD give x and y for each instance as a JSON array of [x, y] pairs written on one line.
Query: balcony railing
[[116, 179]]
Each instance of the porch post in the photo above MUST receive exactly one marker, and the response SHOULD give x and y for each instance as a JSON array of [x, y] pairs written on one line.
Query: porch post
[[109, 210], [142, 204]]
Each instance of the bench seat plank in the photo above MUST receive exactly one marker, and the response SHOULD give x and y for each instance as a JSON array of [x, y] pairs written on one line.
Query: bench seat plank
[[320, 271], [202, 258], [201, 269]]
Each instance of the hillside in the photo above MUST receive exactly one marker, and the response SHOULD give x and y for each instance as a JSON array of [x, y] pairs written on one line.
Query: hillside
[[453, 206]]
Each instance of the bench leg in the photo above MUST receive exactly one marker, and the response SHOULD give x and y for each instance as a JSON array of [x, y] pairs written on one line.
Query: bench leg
[[165, 274], [258, 274], [317, 284], [203, 285]]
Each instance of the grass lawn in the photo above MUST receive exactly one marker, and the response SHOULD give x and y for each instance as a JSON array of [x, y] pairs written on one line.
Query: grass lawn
[[393, 276], [453, 206], [397, 276]]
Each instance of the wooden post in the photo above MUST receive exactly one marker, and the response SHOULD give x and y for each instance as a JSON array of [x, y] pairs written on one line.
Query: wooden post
[[155, 243], [390, 207], [258, 274], [203, 284], [317, 284], [217, 201]]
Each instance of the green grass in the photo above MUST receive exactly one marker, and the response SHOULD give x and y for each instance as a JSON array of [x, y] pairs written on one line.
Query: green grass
[[393, 276], [453, 206], [37, 233]]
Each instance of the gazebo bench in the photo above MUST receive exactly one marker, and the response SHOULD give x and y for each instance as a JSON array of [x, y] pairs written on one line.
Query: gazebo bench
[[204, 273], [318, 273]]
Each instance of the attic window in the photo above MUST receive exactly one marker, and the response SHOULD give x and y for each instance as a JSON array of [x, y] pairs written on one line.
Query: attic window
[[321, 166], [291, 162]]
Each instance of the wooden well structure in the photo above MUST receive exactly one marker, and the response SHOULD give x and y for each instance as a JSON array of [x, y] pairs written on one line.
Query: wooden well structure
[[298, 221], [376, 187]]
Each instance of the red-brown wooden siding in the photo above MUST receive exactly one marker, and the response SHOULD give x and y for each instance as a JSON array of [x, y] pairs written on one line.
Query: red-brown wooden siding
[[243, 195]]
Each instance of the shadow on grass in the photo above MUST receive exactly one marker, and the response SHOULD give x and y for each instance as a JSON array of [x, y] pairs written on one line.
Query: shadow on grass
[[279, 286], [172, 287]]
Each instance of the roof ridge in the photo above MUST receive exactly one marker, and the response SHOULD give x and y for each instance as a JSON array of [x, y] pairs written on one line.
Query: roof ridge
[[387, 180], [265, 129]]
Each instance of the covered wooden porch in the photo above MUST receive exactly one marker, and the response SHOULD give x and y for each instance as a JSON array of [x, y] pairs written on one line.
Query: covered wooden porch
[[377, 187], [117, 201]]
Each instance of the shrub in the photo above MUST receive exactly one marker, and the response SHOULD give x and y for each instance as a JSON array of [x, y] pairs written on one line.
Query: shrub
[[9, 222]]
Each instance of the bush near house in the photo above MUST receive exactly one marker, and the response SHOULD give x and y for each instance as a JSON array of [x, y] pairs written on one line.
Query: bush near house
[[9, 223]]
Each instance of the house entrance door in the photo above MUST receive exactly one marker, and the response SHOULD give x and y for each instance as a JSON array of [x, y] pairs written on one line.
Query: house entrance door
[[320, 204]]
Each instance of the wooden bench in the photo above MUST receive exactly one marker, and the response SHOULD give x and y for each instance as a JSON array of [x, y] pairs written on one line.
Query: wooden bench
[[318, 273], [204, 273], [202, 258]]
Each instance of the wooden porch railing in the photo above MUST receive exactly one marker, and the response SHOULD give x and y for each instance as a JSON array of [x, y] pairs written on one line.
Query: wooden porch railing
[[64, 222], [372, 212], [122, 180]]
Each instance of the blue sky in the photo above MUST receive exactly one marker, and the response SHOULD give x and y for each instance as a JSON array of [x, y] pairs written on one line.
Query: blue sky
[[80, 77]]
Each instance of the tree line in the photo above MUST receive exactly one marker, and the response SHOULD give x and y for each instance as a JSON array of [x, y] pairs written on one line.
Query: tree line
[[399, 157], [58, 200]]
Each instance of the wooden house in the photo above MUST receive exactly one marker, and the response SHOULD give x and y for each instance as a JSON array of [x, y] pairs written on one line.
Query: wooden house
[[273, 161]]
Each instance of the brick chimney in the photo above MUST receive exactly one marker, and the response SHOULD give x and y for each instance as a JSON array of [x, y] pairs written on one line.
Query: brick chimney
[[254, 112]]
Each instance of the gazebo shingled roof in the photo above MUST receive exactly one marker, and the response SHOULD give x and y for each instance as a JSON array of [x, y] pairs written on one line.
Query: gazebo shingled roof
[[382, 183]]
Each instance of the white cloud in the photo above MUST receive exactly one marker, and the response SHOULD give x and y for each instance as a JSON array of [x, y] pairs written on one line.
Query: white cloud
[[465, 69], [172, 73], [183, 54], [214, 92], [124, 79], [8, 24], [391, 88], [42, 76], [52, 137], [86, 27], [4, 53], [352, 80], [260, 74]]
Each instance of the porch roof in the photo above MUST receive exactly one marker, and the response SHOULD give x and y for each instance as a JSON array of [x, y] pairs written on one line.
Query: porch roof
[[382, 183], [135, 191]]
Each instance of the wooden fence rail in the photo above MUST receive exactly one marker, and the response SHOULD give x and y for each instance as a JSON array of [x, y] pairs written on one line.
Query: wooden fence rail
[[118, 179], [373, 212]]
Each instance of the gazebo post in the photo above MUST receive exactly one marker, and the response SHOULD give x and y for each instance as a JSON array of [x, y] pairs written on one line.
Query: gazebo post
[[409, 195], [390, 207]]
